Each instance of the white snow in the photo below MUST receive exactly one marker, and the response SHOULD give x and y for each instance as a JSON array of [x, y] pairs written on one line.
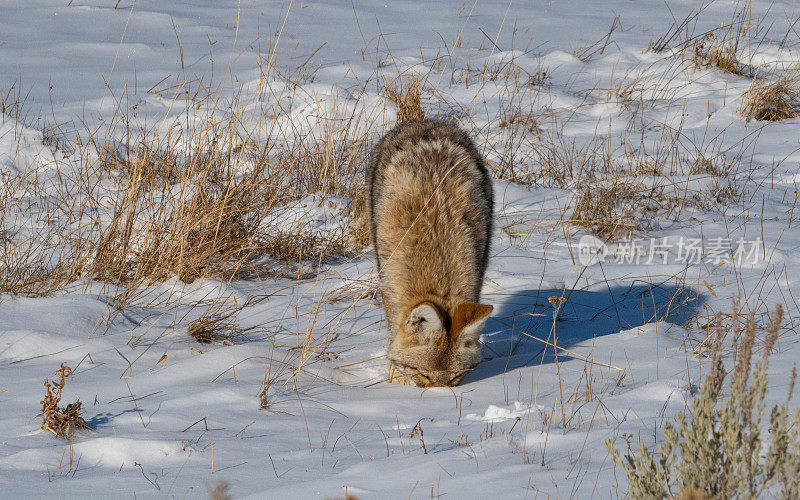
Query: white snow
[[172, 417]]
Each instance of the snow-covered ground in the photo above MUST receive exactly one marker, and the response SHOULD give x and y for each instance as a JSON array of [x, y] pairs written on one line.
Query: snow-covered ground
[[532, 81]]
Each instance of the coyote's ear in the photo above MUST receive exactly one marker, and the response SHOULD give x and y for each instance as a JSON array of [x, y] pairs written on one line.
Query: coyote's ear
[[424, 321], [468, 319]]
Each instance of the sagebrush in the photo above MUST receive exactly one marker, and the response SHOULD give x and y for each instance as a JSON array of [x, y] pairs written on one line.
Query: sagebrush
[[718, 449]]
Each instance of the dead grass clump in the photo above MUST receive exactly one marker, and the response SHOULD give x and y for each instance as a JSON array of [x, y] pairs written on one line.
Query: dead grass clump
[[33, 263], [564, 162], [209, 225], [606, 210], [209, 209], [136, 206], [145, 166], [294, 247], [328, 162], [214, 328], [331, 163], [22, 273], [60, 420], [719, 47], [405, 94], [722, 192], [219, 323], [710, 52], [771, 101], [704, 165]]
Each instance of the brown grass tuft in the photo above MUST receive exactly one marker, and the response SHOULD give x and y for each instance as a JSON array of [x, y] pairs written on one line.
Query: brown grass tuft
[[718, 48], [719, 55], [214, 327], [61, 421], [771, 101], [405, 94], [195, 200], [606, 210], [293, 247], [209, 227]]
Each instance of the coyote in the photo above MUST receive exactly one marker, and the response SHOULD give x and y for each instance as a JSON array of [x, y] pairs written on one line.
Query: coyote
[[430, 209]]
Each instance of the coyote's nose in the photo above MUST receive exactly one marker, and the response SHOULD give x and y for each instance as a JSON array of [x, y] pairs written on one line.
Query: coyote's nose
[[444, 378]]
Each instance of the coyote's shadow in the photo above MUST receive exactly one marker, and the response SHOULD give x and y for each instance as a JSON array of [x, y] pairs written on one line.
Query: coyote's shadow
[[521, 314]]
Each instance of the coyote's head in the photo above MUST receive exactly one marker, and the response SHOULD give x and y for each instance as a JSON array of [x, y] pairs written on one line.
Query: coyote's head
[[435, 347]]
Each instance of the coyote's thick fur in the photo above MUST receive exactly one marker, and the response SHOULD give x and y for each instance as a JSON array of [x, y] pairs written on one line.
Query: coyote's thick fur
[[430, 208]]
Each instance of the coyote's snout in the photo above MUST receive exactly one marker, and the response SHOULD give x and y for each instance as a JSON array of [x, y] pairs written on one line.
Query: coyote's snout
[[430, 207]]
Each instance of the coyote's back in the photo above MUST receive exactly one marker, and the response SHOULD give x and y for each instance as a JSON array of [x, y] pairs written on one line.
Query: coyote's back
[[430, 207]]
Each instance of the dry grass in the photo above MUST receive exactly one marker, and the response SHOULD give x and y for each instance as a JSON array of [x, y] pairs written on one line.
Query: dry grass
[[520, 119], [224, 213], [219, 323], [24, 272], [202, 199], [730, 47], [214, 327], [60, 420], [620, 185], [405, 94], [298, 247], [32, 265], [359, 224], [586, 53], [771, 100], [606, 210], [211, 227], [718, 53]]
